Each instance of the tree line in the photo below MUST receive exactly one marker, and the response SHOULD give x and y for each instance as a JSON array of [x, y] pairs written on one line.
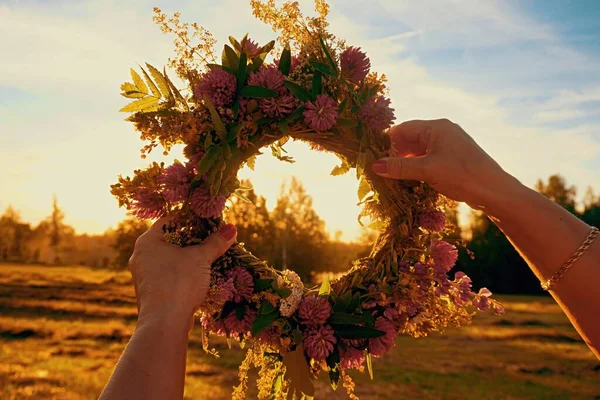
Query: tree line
[[292, 235]]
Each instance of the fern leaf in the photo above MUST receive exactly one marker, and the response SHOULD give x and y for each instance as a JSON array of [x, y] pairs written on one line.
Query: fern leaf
[[138, 82], [153, 88], [140, 104], [160, 80]]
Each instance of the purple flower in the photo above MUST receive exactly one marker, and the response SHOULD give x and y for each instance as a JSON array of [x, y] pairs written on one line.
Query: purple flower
[[322, 114], [243, 283], [277, 107], [268, 77], [237, 326], [218, 85], [376, 113], [351, 357], [227, 289], [444, 254], [204, 205], [498, 308], [175, 182], [250, 47], [272, 78], [482, 301], [148, 204], [381, 345], [433, 221], [319, 341], [355, 64], [314, 310]]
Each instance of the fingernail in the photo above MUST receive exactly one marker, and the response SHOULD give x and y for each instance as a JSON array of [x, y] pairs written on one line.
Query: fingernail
[[228, 231], [380, 167]]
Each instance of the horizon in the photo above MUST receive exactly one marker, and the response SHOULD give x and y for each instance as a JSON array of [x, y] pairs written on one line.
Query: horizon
[[60, 131]]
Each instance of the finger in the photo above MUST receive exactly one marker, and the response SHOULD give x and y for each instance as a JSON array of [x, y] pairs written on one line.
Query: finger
[[216, 244], [410, 138], [412, 168]]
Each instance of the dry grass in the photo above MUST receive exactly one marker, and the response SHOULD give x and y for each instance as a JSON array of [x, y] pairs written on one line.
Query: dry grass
[[63, 329]]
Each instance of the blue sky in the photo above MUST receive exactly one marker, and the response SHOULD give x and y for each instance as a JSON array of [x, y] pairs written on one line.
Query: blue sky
[[522, 77]]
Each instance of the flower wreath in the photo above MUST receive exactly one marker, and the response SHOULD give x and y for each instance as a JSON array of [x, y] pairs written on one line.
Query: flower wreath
[[321, 91]]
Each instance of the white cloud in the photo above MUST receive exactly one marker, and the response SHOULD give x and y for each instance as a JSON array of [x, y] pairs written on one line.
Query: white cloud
[[70, 139]]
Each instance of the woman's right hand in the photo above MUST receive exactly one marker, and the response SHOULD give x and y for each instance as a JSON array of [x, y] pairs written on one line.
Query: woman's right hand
[[442, 154]]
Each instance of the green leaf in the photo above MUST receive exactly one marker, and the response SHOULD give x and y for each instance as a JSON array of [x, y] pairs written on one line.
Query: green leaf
[[216, 120], [141, 104], [347, 123], [298, 91], [285, 61], [208, 160], [236, 45], [325, 288], [236, 108], [317, 84], [266, 308], [261, 322], [323, 68], [257, 92], [284, 291], [233, 132], [138, 82], [242, 71], [297, 113], [343, 303], [223, 67], [283, 125], [328, 55], [230, 58], [342, 318], [267, 47], [369, 318], [262, 284], [215, 186], [160, 80], [363, 188], [357, 332], [333, 362], [240, 312]]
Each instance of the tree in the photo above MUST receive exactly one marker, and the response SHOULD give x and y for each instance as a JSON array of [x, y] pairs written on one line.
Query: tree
[[60, 236], [14, 237], [125, 236], [253, 222], [591, 208], [496, 264], [300, 232], [557, 190]]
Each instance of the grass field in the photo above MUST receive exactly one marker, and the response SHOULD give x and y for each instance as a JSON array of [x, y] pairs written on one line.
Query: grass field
[[63, 329]]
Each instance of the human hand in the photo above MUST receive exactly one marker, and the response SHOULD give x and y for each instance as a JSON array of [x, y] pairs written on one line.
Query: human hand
[[170, 280], [442, 154]]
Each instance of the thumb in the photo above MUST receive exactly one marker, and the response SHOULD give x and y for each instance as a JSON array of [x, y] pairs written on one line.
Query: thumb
[[215, 245], [411, 168]]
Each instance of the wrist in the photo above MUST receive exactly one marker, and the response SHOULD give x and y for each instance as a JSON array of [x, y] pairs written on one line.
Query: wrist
[[171, 320], [499, 194]]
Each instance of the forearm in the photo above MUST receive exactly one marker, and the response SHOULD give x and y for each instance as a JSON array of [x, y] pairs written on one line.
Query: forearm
[[546, 235], [153, 364]]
